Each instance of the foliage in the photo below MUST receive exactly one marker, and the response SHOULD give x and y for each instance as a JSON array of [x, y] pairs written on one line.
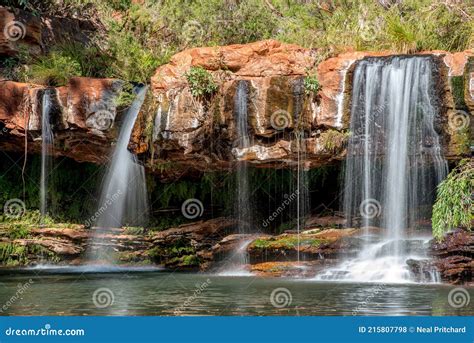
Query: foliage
[[70, 190], [18, 231], [12, 254], [333, 141], [311, 84], [200, 82], [126, 95], [453, 206], [54, 69], [133, 39]]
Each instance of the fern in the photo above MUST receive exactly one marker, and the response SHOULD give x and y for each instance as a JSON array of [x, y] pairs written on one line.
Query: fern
[[453, 207]]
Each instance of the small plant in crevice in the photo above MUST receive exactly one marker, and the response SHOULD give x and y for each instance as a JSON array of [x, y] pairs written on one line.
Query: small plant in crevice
[[201, 82], [311, 84], [126, 95], [333, 141]]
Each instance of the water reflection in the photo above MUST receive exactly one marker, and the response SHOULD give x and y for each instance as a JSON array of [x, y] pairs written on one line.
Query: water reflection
[[159, 293]]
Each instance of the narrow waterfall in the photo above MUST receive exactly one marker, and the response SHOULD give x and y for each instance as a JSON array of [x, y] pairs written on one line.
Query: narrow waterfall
[[393, 165], [123, 198], [47, 141], [242, 209], [301, 187], [242, 205]]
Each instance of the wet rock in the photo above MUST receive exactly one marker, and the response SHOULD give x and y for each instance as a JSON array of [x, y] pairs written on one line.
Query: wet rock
[[62, 245], [294, 269], [422, 270], [453, 257], [189, 246], [310, 245]]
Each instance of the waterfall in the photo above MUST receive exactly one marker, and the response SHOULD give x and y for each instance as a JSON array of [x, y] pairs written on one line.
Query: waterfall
[[242, 206], [47, 141], [123, 199], [302, 183], [301, 187], [243, 213], [393, 164]]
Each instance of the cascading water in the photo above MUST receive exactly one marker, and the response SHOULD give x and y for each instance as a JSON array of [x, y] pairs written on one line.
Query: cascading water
[[393, 165], [302, 183], [243, 212], [47, 141], [123, 199]]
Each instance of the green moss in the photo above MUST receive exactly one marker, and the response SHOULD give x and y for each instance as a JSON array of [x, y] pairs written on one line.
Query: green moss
[[285, 242], [190, 260], [461, 140], [178, 249], [457, 87], [136, 231]]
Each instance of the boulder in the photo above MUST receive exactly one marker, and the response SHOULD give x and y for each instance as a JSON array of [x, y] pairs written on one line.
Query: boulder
[[189, 246], [309, 246]]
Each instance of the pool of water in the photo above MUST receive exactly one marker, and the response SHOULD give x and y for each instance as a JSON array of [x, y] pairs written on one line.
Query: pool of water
[[154, 292]]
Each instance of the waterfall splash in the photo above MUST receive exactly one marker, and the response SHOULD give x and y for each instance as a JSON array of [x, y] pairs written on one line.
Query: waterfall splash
[[123, 199], [393, 166], [47, 141], [243, 213]]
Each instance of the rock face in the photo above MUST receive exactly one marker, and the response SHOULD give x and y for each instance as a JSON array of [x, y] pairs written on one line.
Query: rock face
[[83, 115], [23, 29], [454, 257], [189, 247], [286, 119], [68, 245]]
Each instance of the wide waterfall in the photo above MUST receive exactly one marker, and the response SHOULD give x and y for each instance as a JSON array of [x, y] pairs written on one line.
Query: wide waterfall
[[393, 166], [123, 199], [47, 141]]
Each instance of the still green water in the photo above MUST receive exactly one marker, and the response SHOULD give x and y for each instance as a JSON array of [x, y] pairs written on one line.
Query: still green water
[[162, 293]]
